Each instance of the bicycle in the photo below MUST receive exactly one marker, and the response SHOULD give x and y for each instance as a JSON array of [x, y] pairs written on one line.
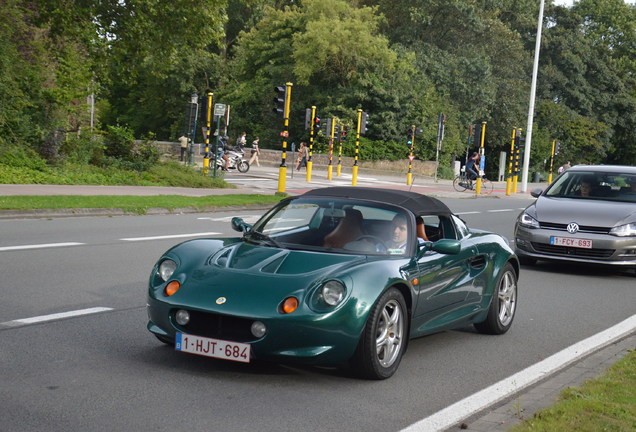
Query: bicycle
[[461, 183]]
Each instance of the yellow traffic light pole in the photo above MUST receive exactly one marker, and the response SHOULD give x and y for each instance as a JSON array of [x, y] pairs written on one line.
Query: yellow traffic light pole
[[515, 178], [339, 168], [282, 171], [311, 143], [482, 139], [409, 175], [511, 159], [354, 175], [331, 138], [551, 161], [208, 125]]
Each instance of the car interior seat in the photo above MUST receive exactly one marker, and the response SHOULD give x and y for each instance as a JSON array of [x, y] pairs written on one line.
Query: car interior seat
[[348, 229], [420, 228]]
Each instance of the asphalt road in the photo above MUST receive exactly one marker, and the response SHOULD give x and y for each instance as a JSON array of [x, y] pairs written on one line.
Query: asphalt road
[[104, 371]]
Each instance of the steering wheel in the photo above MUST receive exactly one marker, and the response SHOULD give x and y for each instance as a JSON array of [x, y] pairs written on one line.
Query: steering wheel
[[377, 240]]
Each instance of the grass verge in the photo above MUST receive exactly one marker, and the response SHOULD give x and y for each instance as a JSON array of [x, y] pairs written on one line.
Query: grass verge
[[606, 403], [135, 204]]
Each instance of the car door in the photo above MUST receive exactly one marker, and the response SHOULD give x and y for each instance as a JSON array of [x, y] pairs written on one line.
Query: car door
[[444, 280]]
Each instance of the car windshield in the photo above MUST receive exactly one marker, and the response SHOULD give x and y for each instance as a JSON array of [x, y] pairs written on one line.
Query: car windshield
[[338, 225], [596, 185]]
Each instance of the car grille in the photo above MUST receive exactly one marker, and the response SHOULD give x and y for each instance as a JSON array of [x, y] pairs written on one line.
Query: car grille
[[219, 326], [570, 251], [583, 229]]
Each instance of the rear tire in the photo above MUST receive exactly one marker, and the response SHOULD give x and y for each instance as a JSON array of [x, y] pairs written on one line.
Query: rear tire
[[503, 305], [383, 339], [243, 166], [460, 184]]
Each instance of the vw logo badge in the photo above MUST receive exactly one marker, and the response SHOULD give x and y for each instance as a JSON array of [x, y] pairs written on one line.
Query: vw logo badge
[[573, 227], [221, 300]]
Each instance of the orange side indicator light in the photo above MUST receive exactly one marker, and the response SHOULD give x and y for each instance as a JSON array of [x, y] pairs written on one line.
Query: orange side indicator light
[[171, 288], [289, 305], [415, 281]]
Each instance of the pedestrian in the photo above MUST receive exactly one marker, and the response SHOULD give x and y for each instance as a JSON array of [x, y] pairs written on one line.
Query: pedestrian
[[241, 142], [301, 161], [255, 152], [563, 168], [183, 141]]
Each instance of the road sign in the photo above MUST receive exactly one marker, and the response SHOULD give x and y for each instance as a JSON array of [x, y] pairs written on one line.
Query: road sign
[[411, 158], [219, 109]]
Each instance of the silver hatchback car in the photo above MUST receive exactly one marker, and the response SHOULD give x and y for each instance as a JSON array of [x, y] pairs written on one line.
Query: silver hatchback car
[[587, 215]]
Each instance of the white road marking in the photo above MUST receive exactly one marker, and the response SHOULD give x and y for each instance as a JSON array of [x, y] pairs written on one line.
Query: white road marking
[[203, 234], [39, 246], [470, 212], [459, 411], [53, 317], [248, 219], [499, 210]]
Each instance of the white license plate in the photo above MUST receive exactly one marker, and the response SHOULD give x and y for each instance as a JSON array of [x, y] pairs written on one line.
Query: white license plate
[[571, 242], [213, 347]]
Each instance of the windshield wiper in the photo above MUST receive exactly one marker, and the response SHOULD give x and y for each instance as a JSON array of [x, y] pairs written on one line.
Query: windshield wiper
[[260, 238]]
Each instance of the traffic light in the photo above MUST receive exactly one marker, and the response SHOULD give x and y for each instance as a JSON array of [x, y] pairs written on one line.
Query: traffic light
[[343, 133], [316, 125], [557, 148], [364, 123], [409, 137], [279, 100]]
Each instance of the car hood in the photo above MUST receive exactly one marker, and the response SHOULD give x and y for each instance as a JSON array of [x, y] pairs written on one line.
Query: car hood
[[583, 211], [254, 279], [255, 259]]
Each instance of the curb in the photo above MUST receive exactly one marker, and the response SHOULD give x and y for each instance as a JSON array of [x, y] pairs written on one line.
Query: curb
[[111, 212]]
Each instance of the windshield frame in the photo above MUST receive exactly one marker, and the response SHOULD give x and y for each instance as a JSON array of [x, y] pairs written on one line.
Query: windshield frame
[[604, 185], [323, 218]]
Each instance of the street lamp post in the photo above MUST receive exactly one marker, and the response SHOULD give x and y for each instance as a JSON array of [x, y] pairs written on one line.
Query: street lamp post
[[533, 88]]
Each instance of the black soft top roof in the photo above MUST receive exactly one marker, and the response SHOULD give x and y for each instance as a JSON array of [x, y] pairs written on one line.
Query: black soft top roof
[[417, 203]]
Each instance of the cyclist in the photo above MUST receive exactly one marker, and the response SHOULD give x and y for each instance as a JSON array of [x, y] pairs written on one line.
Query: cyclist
[[472, 167]]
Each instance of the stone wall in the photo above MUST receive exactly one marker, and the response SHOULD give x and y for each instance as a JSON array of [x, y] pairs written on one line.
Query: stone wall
[[170, 150]]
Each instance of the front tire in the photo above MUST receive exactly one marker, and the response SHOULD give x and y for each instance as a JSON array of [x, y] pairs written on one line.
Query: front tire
[[383, 339], [503, 305], [243, 166]]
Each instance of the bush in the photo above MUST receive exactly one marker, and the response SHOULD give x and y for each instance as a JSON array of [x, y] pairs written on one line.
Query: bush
[[22, 157], [445, 172], [119, 143], [85, 149]]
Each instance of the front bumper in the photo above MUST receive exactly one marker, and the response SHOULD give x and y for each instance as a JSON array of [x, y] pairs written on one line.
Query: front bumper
[[310, 338], [606, 249]]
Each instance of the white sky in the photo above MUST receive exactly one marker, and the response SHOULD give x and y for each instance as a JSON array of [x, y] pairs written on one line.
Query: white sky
[[569, 2]]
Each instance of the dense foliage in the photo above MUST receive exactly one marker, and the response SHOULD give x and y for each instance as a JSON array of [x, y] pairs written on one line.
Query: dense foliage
[[402, 61]]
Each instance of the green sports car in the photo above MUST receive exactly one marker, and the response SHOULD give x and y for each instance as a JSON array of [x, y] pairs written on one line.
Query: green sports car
[[336, 276]]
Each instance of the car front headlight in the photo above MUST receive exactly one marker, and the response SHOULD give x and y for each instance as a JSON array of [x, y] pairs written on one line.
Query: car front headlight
[[528, 221], [166, 269], [332, 292], [627, 230]]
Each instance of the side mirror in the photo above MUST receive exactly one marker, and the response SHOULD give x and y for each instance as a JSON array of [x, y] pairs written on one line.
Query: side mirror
[[444, 246], [447, 246], [240, 225], [536, 192]]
